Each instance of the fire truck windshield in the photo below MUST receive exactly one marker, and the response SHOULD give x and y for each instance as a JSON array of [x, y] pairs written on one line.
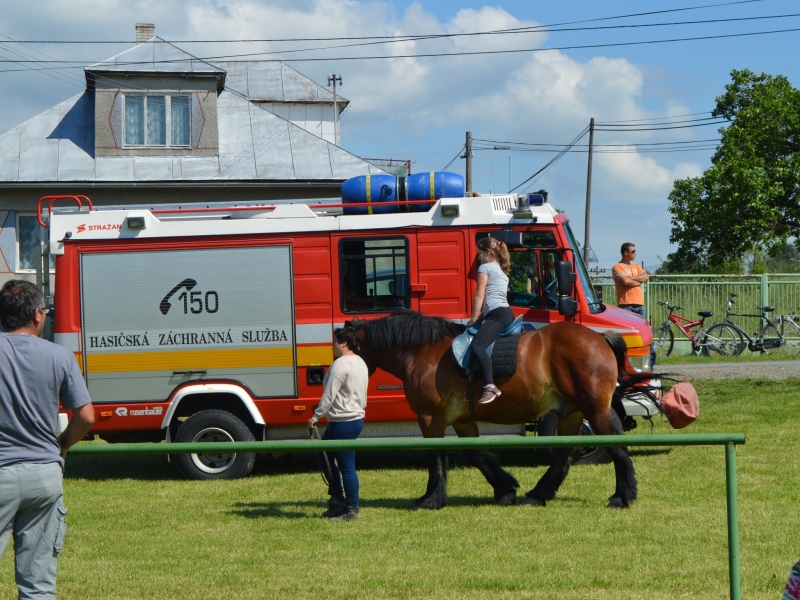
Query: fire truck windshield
[[595, 305]]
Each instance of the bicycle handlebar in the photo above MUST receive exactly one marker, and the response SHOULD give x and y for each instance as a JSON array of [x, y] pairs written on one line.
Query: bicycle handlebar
[[671, 308]]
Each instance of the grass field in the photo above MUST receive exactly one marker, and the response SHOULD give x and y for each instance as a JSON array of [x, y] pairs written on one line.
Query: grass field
[[136, 530]]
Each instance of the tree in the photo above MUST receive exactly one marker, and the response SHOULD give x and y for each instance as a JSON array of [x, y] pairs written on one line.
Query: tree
[[748, 200]]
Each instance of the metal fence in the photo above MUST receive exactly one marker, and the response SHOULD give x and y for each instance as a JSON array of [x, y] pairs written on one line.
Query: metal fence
[[709, 292], [729, 440]]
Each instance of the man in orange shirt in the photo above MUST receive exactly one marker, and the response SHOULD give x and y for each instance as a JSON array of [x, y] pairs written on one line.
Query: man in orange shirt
[[628, 279]]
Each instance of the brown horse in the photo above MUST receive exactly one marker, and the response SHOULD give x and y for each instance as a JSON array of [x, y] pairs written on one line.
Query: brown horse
[[564, 367]]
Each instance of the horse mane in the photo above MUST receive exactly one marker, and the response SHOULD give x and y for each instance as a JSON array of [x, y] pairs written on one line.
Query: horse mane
[[408, 329]]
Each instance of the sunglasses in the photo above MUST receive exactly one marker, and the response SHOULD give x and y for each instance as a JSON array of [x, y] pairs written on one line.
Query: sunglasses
[[45, 309]]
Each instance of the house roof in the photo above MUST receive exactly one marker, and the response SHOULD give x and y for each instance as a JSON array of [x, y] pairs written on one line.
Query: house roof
[[275, 81], [155, 56], [254, 144]]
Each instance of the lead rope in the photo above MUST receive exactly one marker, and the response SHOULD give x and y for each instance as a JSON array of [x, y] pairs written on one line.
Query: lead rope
[[316, 436]]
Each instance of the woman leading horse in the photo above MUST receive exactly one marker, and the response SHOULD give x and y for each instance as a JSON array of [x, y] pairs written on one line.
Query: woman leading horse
[[564, 367]]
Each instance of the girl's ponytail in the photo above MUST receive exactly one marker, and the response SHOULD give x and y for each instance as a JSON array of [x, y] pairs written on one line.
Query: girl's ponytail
[[498, 250]]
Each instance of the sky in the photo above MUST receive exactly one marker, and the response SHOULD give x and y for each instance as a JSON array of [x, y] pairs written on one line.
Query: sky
[[517, 92]]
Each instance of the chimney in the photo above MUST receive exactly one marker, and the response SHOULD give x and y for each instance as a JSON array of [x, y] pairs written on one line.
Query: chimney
[[144, 31]]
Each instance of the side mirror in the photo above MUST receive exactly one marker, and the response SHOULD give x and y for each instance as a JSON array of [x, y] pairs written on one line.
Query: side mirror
[[566, 278], [567, 306]]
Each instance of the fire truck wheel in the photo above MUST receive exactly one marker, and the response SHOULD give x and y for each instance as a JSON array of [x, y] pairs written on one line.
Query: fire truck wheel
[[215, 426], [580, 456]]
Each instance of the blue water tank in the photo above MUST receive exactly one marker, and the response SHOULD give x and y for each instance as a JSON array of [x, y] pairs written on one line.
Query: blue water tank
[[432, 186], [372, 189], [375, 189]]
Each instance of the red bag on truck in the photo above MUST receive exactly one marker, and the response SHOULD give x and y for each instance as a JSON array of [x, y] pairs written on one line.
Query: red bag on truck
[[681, 404]]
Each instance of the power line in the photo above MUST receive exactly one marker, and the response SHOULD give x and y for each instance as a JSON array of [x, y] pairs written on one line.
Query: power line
[[475, 53], [596, 145], [409, 37], [454, 158], [662, 128], [660, 118], [529, 30], [619, 124], [552, 161], [630, 150]]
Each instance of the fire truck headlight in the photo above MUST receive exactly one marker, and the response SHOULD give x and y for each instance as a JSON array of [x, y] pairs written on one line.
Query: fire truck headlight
[[641, 363], [135, 222]]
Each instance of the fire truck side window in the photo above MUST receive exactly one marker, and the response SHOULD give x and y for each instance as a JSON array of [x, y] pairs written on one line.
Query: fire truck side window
[[547, 266], [524, 287], [531, 278], [373, 274]]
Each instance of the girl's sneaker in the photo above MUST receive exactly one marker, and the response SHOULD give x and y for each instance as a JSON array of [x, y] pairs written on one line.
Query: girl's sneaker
[[490, 392]]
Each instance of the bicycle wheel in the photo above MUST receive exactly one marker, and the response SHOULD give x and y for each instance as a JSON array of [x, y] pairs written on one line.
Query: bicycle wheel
[[720, 340], [664, 339], [790, 332]]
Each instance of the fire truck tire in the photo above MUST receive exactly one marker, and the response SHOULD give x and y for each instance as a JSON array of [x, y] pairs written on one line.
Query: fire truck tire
[[580, 456], [215, 426]]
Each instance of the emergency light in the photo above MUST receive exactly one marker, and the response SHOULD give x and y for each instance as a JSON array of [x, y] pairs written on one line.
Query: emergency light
[[538, 198]]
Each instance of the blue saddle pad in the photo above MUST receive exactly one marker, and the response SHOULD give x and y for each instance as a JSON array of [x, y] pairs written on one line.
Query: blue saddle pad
[[462, 344]]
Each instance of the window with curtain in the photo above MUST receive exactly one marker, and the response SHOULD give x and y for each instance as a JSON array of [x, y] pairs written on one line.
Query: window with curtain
[[157, 120], [180, 120], [134, 120]]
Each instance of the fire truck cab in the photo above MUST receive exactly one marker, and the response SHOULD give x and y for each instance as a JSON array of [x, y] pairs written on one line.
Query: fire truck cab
[[213, 322]]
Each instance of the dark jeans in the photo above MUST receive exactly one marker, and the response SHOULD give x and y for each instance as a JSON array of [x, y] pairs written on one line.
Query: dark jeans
[[639, 310], [634, 308], [343, 464], [493, 323]]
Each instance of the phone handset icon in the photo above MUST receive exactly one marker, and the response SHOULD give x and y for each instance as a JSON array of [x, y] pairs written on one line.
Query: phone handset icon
[[165, 304]]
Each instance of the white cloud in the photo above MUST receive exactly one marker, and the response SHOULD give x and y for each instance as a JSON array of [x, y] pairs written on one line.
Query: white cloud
[[416, 108]]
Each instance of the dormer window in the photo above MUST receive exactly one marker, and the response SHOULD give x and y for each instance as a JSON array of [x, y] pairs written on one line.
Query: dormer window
[[152, 120]]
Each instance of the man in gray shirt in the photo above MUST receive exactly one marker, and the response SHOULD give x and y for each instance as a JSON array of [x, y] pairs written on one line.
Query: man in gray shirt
[[34, 374]]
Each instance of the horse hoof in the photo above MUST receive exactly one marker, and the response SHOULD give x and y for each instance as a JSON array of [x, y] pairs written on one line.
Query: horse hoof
[[424, 507], [426, 503], [507, 499], [616, 502], [533, 502]]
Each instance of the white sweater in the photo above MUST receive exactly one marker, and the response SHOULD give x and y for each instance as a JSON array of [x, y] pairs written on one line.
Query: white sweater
[[345, 395]]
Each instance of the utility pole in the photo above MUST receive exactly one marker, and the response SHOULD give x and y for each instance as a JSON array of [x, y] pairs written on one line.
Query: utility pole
[[333, 78], [586, 246], [468, 156]]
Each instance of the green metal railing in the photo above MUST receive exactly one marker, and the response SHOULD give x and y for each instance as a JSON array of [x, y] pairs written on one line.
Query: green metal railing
[[729, 440]]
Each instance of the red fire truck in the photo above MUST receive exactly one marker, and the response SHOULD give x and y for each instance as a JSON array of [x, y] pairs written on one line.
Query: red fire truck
[[213, 322]]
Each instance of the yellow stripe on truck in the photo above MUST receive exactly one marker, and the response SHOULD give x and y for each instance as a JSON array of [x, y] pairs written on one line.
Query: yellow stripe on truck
[[314, 356], [189, 360], [633, 340]]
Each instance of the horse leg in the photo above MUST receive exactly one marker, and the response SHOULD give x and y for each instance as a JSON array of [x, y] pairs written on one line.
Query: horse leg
[[552, 479], [504, 483], [626, 490], [435, 496]]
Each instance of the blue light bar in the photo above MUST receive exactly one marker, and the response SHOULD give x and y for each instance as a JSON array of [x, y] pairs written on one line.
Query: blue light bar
[[537, 199]]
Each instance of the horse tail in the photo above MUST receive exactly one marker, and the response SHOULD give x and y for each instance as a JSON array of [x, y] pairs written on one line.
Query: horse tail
[[617, 344], [648, 382]]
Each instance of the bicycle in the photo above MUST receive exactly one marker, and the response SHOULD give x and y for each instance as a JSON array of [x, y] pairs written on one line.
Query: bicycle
[[780, 334], [663, 338]]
